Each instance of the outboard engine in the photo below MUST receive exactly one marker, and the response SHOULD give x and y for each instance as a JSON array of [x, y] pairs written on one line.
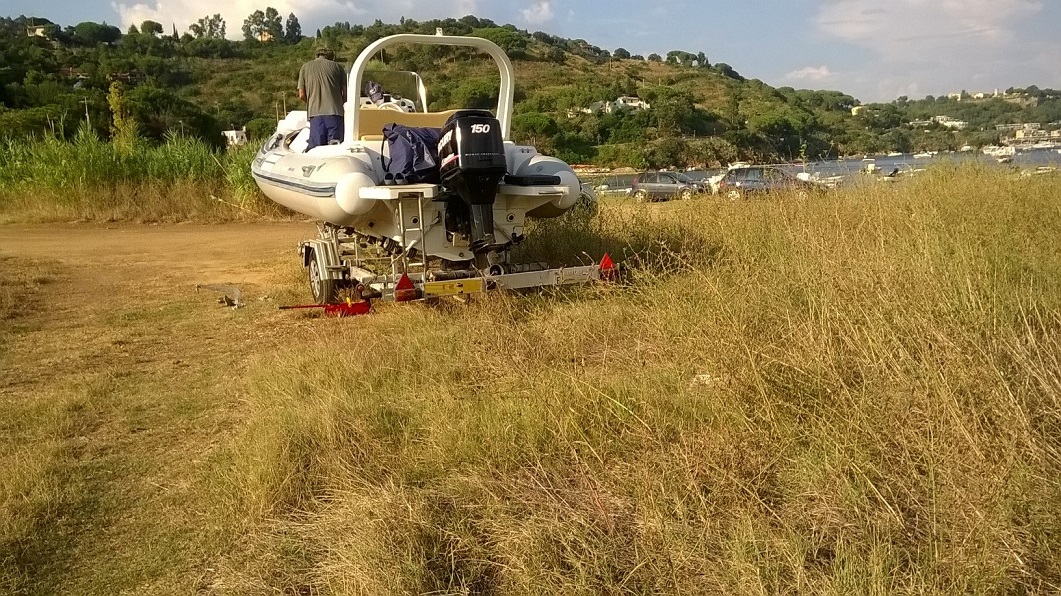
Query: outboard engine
[[471, 156]]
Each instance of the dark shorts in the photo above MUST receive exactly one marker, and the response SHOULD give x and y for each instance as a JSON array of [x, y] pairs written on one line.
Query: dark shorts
[[324, 129]]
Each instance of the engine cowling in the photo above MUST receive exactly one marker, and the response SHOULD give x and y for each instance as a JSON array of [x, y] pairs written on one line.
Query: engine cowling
[[471, 154]]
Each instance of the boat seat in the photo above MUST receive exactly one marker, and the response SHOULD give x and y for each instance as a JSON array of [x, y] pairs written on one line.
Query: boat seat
[[371, 121]]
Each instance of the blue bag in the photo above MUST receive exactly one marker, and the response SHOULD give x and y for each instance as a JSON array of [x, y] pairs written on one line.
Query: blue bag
[[413, 153]]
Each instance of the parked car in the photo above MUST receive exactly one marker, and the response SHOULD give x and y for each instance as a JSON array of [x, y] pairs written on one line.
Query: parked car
[[742, 181], [652, 186]]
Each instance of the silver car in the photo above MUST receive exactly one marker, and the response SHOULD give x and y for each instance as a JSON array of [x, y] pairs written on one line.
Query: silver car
[[655, 186]]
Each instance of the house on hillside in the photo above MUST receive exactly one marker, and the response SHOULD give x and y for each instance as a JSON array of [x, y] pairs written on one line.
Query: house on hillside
[[951, 123], [1028, 126], [235, 138], [132, 77], [37, 31], [624, 102], [265, 36], [630, 102], [1036, 134]]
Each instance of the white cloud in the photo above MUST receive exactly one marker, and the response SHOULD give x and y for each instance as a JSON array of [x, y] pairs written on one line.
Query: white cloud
[[311, 13], [810, 73], [466, 7], [904, 29], [937, 45], [538, 13]]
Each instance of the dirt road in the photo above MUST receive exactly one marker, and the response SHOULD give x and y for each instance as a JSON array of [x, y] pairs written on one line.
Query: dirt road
[[126, 256], [77, 285], [119, 382]]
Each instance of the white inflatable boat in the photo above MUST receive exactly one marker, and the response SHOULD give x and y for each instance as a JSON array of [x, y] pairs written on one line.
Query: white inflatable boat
[[452, 237]]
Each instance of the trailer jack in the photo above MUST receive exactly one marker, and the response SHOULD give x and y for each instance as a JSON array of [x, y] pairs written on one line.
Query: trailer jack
[[348, 308]]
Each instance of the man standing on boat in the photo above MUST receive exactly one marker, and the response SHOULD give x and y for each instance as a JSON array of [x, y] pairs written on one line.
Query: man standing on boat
[[322, 85]]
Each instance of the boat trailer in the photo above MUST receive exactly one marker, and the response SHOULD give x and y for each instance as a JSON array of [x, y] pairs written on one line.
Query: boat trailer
[[348, 269]]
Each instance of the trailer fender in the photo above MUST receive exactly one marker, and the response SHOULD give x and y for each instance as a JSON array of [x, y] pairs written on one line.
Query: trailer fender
[[324, 253]]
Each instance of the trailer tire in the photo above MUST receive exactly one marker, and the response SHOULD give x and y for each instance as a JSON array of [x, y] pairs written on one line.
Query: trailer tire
[[324, 290]]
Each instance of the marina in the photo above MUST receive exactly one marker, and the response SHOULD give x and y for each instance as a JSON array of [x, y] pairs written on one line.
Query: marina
[[850, 168]]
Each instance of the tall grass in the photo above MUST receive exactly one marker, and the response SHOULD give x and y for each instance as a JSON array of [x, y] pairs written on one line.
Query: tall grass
[[88, 178], [849, 394]]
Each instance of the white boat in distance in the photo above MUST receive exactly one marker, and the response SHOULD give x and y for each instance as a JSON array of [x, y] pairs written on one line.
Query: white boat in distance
[[996, 151]]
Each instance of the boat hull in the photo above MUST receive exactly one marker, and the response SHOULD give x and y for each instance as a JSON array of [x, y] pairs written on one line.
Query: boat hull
[[339, 185]]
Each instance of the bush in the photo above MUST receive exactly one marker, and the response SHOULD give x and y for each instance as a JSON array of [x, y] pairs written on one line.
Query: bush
[[91, 178]]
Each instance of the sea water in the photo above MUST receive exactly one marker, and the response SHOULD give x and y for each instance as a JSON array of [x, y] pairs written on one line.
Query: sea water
[[852, 166]]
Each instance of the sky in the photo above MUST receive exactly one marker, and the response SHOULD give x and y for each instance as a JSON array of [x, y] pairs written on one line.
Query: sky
[[874, 50]]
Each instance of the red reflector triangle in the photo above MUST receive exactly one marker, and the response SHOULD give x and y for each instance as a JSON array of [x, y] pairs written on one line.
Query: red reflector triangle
[[606, 263], [404, 290], [405, 283], [607, 268]]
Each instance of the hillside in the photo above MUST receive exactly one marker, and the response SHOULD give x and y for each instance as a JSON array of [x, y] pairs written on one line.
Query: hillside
[[701, 113]]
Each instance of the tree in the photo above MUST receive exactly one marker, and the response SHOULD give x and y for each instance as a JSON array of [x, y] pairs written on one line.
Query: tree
[[292, 29], [701, 60], [667, 152], [728, 71], [263, 26], [151, 28], [157, 111], [475, 93], [209, 27], [512, 42], [655, 58], [274, 24], [90, 34], [674, 112], [680, 57], [254, 26], [124, 129], [534, 128], [621, 53], [782, 131]]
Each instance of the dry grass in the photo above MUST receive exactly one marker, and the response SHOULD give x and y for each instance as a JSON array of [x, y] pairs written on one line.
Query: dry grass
[[855, 394], [849, 394]]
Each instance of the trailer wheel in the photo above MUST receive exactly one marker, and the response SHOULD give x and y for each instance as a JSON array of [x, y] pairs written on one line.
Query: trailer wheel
[[324, 290]]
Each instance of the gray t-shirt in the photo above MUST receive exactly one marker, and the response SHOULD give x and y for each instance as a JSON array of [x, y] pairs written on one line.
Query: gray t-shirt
[[324, 82]]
